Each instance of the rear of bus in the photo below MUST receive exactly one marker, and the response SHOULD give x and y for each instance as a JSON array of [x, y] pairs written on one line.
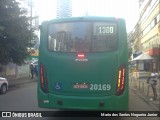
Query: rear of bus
[[83, 64]]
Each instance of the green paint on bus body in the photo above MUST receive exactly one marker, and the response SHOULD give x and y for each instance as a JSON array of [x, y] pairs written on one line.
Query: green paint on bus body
[[89, 82]]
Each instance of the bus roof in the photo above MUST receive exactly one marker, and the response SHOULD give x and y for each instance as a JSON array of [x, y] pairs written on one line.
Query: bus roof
[[86, 18]]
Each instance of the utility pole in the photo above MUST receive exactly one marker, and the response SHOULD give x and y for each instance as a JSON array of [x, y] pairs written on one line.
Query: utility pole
[[31, 24], [159, 50], [31, 5]]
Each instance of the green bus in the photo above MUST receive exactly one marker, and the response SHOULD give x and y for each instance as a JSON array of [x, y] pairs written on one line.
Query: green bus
[[83, 64]]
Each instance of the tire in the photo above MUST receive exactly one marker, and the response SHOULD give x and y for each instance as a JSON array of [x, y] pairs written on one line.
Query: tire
[[3, 89]]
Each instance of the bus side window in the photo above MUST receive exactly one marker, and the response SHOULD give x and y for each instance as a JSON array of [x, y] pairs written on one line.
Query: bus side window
[[51, 43]]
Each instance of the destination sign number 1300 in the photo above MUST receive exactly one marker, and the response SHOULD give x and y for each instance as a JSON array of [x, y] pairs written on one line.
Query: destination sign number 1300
[[105, 29]]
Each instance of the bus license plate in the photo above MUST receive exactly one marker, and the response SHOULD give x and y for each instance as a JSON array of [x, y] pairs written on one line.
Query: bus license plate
[[80, 86]]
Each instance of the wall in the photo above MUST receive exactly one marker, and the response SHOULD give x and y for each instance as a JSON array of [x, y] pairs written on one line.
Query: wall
[[13, 70]]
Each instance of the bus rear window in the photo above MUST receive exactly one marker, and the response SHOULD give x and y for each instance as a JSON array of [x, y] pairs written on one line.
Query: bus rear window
[[82, 37]]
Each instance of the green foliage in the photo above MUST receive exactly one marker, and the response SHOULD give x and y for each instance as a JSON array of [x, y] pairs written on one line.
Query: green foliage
[[15, 32]]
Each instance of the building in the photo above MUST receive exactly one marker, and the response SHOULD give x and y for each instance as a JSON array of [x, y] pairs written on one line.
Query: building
[[147, 33], [64, 8]]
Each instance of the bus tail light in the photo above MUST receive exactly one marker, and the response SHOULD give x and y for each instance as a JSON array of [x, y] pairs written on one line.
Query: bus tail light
[[43, 79], [121, 80], [80, 55]]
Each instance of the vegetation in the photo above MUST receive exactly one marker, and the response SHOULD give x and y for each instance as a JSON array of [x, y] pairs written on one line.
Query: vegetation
[[15, 32]]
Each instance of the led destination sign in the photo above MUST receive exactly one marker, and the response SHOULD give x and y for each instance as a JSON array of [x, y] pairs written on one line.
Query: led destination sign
[[104, 29]]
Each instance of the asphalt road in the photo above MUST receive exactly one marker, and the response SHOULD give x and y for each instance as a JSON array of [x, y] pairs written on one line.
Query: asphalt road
[[24, 98]]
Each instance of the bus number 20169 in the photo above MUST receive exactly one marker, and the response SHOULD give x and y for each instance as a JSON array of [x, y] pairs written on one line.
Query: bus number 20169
[[100, 87]]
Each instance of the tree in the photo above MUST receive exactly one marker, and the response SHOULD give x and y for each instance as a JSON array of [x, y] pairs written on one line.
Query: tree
[[15, 32]]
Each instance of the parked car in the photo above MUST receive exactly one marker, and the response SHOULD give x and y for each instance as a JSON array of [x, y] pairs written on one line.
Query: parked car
[[3, 85]]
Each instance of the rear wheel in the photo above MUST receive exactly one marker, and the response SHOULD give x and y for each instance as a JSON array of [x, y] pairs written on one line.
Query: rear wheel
[[3, 89]]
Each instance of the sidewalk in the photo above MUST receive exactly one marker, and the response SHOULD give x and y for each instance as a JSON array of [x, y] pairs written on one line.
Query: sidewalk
[[144, 91], [12, 81]]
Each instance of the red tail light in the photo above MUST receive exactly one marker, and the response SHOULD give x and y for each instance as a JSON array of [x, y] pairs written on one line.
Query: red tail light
[[43, 79], [80, 55], [121, 80]]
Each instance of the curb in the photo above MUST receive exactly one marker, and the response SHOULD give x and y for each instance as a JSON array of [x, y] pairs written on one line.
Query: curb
[[19, 82], [145, 99]]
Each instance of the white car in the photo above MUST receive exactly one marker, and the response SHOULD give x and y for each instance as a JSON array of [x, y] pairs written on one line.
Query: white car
[[3, 85]]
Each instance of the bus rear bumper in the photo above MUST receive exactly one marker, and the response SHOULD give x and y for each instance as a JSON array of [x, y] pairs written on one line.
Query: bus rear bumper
[[113, 103]]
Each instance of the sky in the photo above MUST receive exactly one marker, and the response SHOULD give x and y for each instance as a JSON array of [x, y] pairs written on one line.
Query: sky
[[127, 9]]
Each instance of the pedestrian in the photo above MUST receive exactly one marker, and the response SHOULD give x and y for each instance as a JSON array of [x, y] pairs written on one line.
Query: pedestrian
[[36, 70], [152, 80], [32, 70]]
